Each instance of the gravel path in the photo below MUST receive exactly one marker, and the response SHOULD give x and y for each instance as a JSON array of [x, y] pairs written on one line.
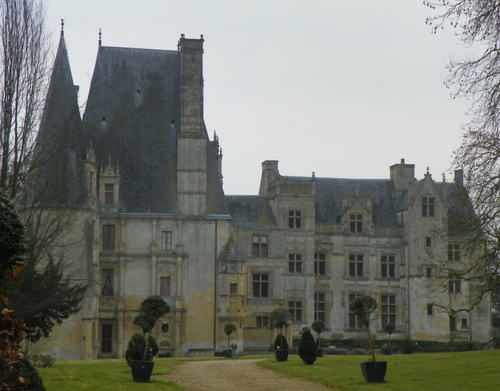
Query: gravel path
[[230, 375]]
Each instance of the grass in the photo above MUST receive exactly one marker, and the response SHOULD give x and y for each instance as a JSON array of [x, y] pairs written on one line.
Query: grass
[[98, 375], [467, 371]]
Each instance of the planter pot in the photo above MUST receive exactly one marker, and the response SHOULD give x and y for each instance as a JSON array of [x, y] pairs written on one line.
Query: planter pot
[[141, 371], [374, 371], [281, 355], [228, 353]]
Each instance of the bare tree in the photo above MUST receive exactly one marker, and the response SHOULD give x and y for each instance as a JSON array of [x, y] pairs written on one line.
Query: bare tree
[[476, 77], [47, 292], [23, 82]]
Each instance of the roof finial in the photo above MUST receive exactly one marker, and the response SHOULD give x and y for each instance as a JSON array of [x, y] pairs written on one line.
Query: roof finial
[[100, 37], [62, 27]]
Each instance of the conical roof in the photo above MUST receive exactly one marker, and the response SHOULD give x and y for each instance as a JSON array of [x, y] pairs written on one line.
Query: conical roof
[[58, 159]]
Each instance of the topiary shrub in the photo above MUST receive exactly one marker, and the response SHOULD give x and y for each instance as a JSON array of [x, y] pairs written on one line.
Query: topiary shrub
[[408, 346], [280, 343], [30, 373], [136, 346], [319, 327], [307, 348]]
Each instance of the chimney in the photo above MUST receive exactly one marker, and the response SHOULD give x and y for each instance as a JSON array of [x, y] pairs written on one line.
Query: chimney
[[402, 175], [269, 175], [459, 177]]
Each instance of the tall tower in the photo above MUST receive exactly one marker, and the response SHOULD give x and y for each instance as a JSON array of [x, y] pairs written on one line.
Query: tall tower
[[192, 139]]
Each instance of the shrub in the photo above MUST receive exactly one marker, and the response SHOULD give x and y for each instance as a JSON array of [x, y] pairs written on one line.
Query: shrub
[[408, 346], [43, 360], [228, 330], [30, 373], [280, 343], [136, 346], [307, 348]]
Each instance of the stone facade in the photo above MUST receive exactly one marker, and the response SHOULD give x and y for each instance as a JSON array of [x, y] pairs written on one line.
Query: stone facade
[[155, 221]]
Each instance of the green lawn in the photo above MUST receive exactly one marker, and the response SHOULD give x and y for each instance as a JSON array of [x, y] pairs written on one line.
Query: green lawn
[[97, 375], [467, 371]]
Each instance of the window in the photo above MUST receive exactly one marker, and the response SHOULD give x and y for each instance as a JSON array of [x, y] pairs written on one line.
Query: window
[[262, 321], [356, 223], [355, 265], [295, 263], [166, 240], [294, 219], [427, 206], [463, 323], [319, 307], [355, 321], [108, 237], [388, 266], [259, 246], [453, 252], [454, 283], [107, 277], [295, 308], [428, 241], [260, 285], [108, 193], [428, 272], [388, 309], [165, 286], [430, 309], [233, 289], [106, 338], [319, 264]]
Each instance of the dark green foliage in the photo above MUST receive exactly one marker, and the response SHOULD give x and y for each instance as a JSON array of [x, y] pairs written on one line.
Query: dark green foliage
[[151, 310], [12, 237], [228, 330], [280, 318], [307, 348], [389, 329], [30, 373], [280, 342], [319, 327], [45, 297], [136, 346], [366, 307], [408, 346], [42, 360]]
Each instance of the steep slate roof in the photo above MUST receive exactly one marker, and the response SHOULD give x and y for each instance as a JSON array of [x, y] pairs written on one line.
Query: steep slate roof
[[331, 191], [58, 168], [250, 211], [132, 117]]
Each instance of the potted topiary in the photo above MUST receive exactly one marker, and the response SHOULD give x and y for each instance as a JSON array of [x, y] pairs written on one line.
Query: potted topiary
[[389, 328], [228, 330], [365, 307], [150, 311], [307, 348], [319, 327], [280, 318]]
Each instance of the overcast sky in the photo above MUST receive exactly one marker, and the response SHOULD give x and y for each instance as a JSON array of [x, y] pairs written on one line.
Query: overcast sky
[[341, 88]]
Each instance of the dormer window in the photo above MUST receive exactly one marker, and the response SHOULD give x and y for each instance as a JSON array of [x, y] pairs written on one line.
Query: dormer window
[[428, 206], [356, 223], [294, 219], [108, 193]]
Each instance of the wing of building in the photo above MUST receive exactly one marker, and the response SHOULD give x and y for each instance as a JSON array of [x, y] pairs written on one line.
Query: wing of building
[[143, 181]]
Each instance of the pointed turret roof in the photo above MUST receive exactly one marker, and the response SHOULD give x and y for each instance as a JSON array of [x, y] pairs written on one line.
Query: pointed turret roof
[[58, 161]]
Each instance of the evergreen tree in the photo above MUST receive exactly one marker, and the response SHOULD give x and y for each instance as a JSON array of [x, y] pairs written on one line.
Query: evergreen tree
[[307, 348]]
